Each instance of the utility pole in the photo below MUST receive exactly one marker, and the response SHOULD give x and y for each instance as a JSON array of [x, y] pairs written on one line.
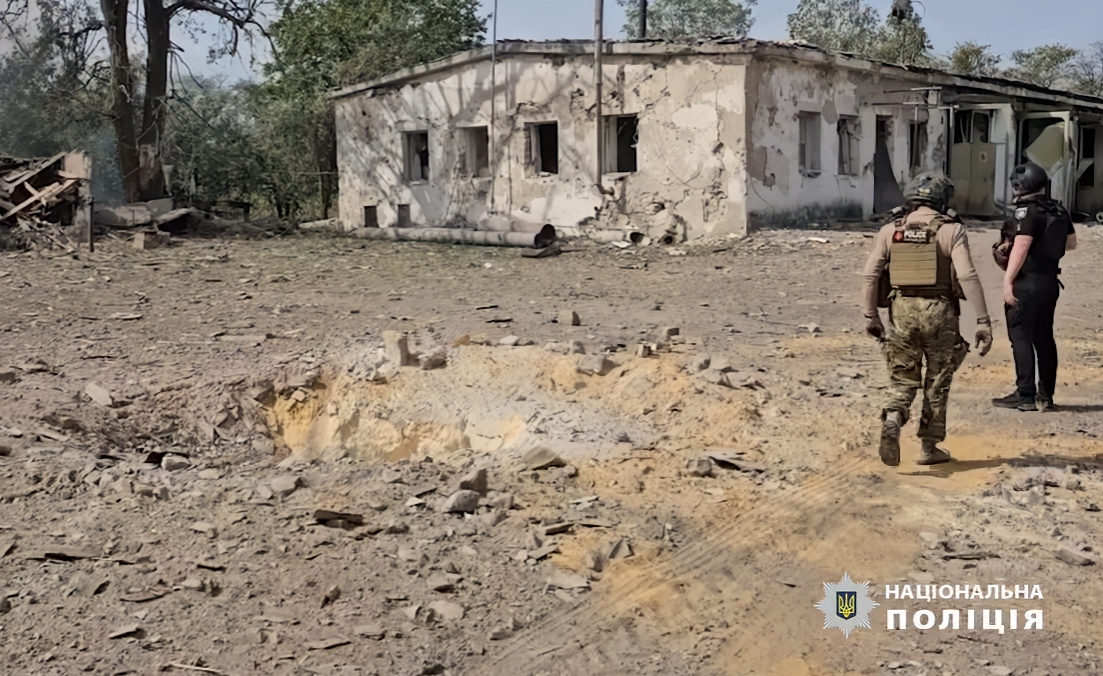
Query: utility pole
[[492, 141], [598, 76], [643, 19]]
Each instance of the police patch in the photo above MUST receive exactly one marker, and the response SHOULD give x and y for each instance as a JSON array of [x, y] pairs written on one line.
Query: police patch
[[917, 236], [1020, 213]]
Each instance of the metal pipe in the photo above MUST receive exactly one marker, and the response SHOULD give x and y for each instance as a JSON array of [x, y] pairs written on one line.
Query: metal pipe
[[643, 19], [598, 77], [493, 150], [538, 240]]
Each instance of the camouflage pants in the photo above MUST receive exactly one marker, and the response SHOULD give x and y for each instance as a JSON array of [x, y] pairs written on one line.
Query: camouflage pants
[[923, 330]]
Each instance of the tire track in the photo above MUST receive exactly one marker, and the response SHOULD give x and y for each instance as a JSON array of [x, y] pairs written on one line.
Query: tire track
[[701, 559]]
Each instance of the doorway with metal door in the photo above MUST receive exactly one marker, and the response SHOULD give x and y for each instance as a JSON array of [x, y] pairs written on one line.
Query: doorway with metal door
[[973, 163]]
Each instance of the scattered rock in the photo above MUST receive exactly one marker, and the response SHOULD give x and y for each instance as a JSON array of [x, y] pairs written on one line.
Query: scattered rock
[[332, 594], [440, 583], [327, 643], [372, 631], [1074, 558], [447, 610], [214, 475], [5, 451], [435, 360], [88, 585], [596, 364], [125, 630], [99, 395], [728, 460], [569, 318], [576, 347], [619, 549], [204, 527], [461, 501], [284, 486], [699, 467], [700, 363], [810, 328], [510, 341], [670, 332], [542, 457], [8, 376], [174, 463], [563, 580], [1000, 671], [475, 480], [396, 348]]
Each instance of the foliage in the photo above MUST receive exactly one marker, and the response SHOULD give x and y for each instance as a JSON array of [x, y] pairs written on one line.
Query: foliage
[[681, 19], [322, 44], [903, 41], [213, 148], [971, 58], [1087, 71], [848, 26], [1046, 65]]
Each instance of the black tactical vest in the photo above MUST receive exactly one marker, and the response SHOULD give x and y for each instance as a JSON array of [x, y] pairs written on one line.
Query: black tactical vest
[[1052, 227]]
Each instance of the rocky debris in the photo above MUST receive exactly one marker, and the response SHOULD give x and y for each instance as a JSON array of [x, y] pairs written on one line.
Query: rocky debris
[[448, 611], [542, 457], [8, 376], [433, 361], [594, 560], [373, 631], [144, 241], [569, 318], [284, 486], [396, 347], [99, 395], [125, 630], [1074, 558], [475, 480], [700, 363], [595, 365], [619, 549], [576, 347], [510, 341], [5, 451], [175, 463], [730, 460], [699, 467], [568, 581], [670, 332], [461, 501]]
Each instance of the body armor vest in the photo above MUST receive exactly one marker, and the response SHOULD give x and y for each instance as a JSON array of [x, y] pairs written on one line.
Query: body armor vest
[[917, 266]]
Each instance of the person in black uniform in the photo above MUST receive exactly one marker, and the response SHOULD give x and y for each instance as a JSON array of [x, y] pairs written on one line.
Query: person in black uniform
[[1030, 250]]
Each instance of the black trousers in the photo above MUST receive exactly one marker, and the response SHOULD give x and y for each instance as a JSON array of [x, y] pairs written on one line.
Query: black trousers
[[1030, 328]]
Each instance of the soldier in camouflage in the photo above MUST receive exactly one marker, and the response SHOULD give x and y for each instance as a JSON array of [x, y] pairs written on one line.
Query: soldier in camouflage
[[919, 269]]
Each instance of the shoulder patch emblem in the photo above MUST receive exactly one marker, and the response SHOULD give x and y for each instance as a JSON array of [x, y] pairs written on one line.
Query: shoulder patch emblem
[[1020, 213]]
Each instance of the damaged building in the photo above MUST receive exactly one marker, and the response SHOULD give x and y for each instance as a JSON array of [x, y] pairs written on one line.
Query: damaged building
[[702, 139]]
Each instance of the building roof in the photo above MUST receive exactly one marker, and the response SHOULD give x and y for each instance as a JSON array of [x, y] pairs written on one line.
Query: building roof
[[785, 49]]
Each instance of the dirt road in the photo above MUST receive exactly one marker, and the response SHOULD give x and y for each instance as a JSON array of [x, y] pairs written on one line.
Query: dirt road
[[210, 464]]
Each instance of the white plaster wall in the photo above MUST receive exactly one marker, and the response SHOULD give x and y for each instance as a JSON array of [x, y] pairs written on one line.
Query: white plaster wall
[[778, 92], [691, 153]]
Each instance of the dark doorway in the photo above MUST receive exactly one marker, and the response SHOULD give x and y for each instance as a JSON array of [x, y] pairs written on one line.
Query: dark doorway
[[886, 191]]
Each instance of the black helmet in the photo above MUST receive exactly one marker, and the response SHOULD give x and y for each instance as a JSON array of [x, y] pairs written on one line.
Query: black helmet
[[1028, 178]]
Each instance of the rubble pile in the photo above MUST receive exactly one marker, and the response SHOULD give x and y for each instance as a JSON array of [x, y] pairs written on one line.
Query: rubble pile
[[45, 201]]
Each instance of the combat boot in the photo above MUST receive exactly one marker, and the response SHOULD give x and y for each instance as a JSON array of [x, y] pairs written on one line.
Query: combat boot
[[890, 438], [931, 454]]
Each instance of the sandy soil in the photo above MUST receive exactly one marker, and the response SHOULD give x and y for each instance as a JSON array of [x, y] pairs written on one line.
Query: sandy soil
[[209, 465]]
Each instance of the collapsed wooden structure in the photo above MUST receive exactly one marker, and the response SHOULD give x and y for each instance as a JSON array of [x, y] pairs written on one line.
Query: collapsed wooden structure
[[47, 198]]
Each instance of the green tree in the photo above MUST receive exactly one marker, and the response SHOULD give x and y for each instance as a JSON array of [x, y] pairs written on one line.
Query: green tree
[[848, 26], [903, 41], [681, 19], [1087, 71], [971, 58], [1046, 65], [322, 44]]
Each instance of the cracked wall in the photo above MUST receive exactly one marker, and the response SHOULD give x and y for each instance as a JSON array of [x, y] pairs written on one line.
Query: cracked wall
[[779, 193], [691, 155]]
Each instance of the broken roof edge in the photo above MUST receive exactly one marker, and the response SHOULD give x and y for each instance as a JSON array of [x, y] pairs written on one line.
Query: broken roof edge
[[794, 49]]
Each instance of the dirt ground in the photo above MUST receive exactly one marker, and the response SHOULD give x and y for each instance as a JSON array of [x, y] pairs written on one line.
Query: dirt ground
[[209, 464]]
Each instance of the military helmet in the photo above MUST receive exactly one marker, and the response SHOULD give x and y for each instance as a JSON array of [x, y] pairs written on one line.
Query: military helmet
[[931, 188], [1028, 178]]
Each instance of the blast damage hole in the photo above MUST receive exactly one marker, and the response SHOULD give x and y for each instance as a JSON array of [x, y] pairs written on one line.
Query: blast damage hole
[[635, 237]]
